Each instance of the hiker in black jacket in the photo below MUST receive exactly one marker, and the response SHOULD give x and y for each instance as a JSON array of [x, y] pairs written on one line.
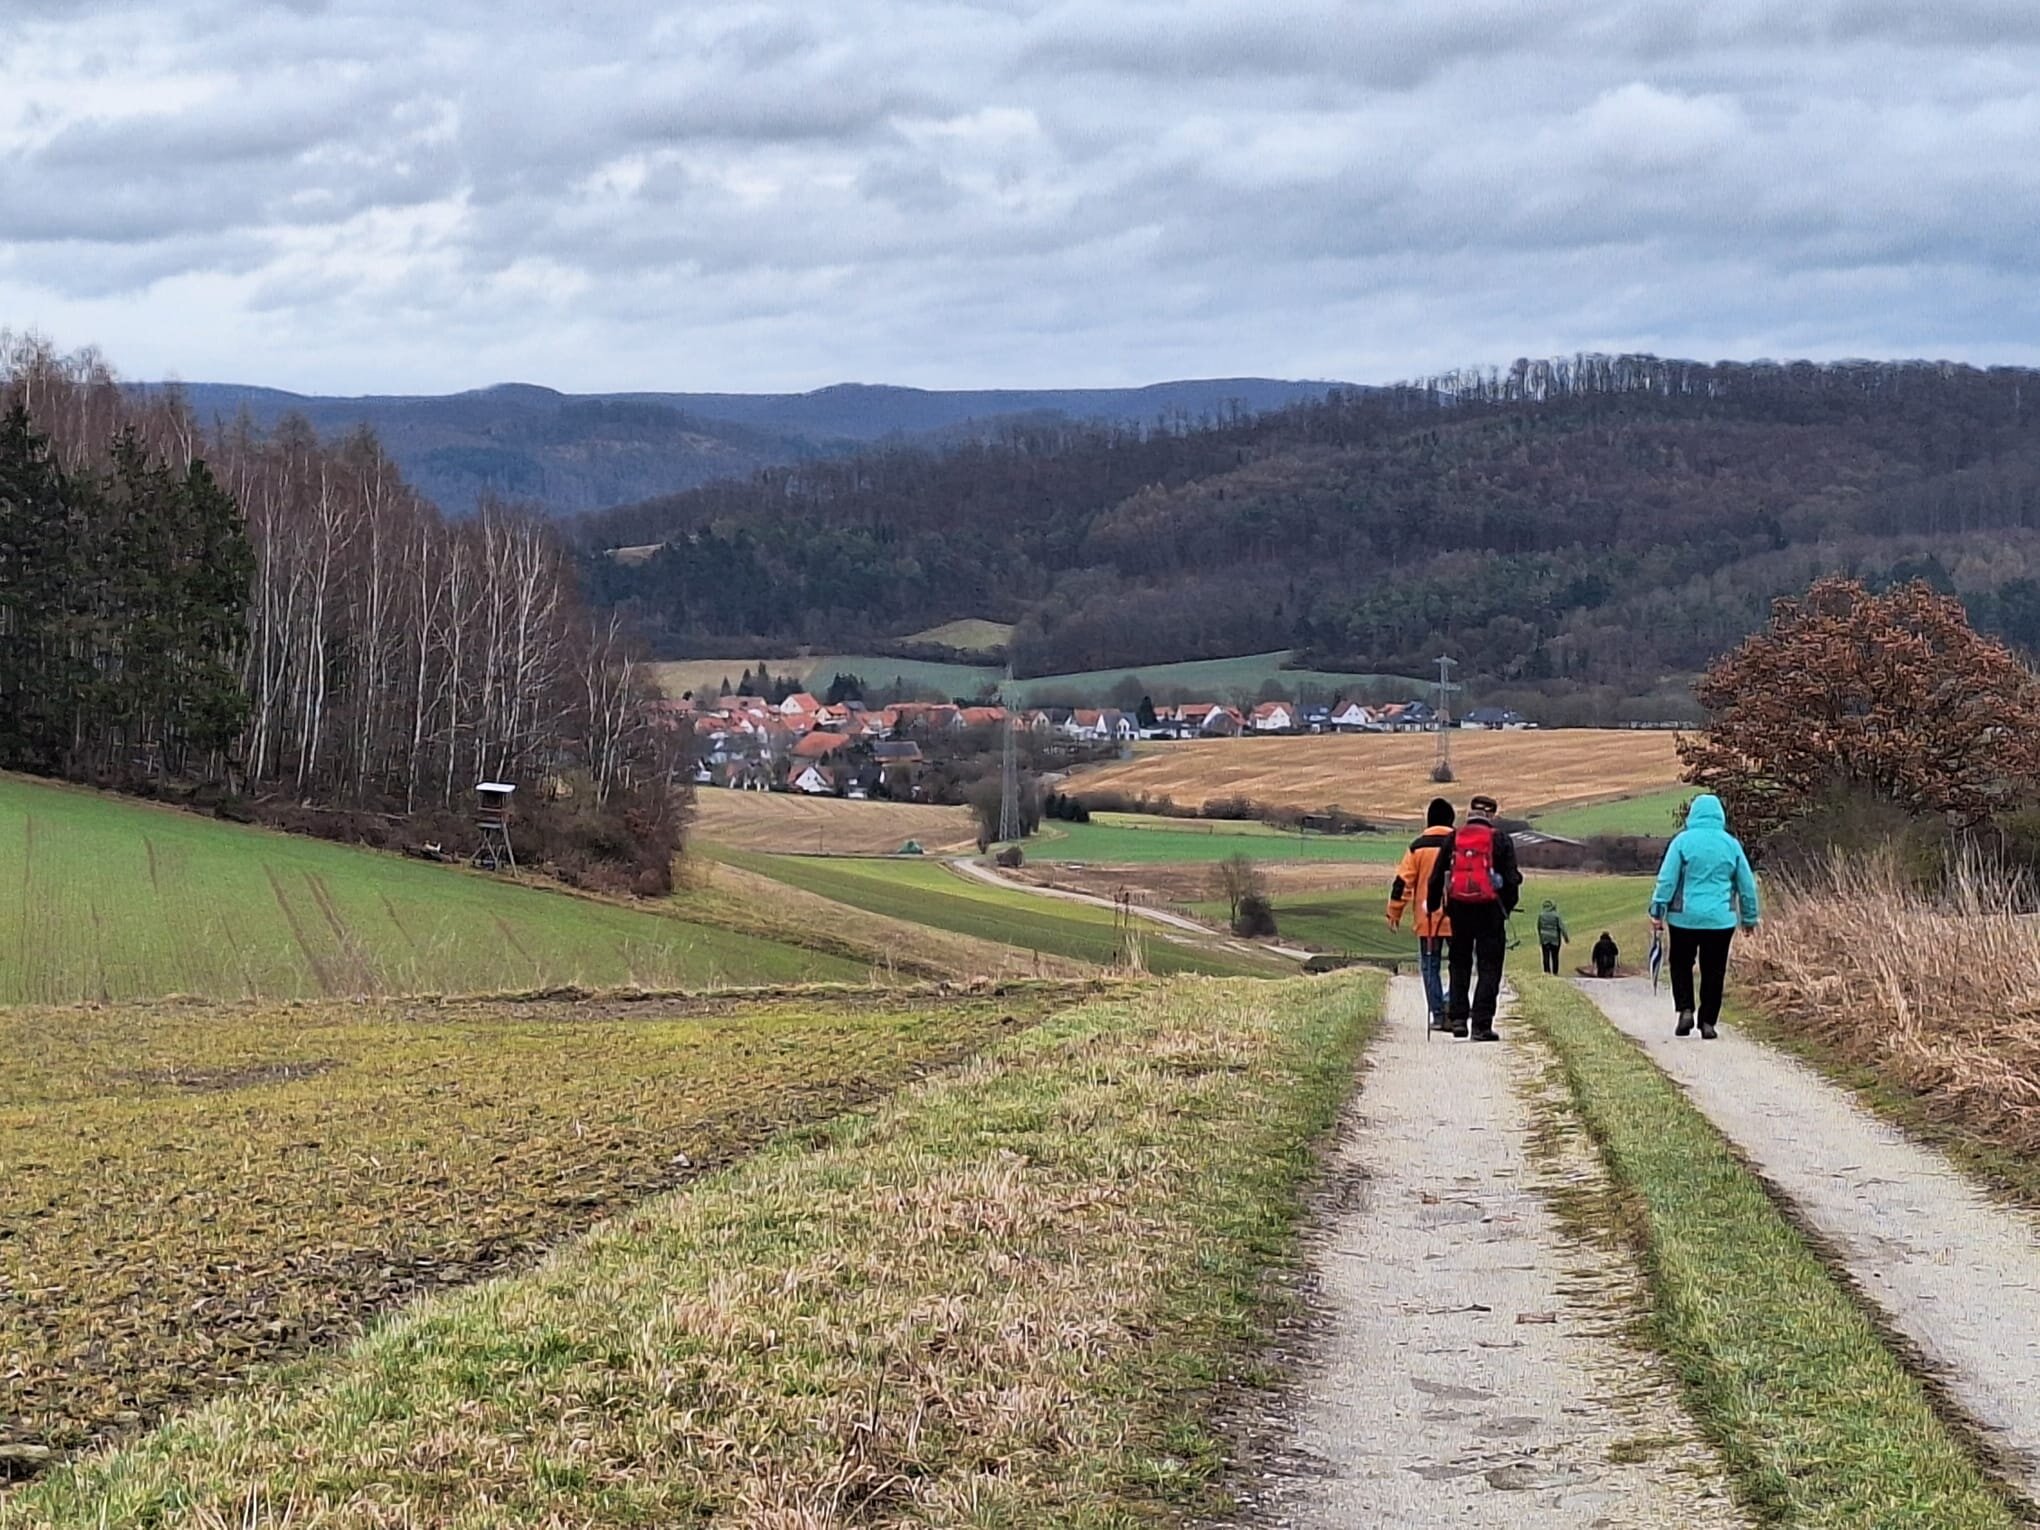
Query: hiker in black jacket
[[1476, 883], [1605, 952]]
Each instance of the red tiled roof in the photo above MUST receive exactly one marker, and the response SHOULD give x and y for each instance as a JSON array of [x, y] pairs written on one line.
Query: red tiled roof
[[819, 746]]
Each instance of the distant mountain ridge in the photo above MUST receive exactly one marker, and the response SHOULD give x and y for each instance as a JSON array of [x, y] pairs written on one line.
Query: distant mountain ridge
[[575, 452]]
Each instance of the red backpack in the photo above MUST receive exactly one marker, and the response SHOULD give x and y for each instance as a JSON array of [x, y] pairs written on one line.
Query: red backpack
[[1473, 865]]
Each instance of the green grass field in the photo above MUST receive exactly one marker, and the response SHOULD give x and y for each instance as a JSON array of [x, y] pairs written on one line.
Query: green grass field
[[1130, 839], [107, 899], [929, 893], [1655, 814], [969, 635], [1352, 921]]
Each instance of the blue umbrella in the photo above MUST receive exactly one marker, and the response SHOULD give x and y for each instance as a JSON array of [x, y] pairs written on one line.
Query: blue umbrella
[[1657, 954]]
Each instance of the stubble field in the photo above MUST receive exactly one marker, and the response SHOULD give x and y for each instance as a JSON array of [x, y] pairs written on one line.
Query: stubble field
[[1388, 776], [794, 825]]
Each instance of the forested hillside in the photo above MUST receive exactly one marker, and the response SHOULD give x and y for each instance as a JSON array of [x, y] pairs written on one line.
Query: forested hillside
[[561, 453], [1602, 521]]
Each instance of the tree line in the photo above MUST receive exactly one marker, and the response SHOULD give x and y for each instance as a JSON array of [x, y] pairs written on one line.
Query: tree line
[[1594, 521], [286, 614]]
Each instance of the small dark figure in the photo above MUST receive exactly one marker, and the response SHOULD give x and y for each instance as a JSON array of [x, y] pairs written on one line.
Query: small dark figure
[[1605, 952]]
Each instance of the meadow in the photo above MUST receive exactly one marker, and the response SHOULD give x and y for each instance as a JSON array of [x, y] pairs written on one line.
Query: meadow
[[109, 899], [1017, 1294], [1652, 815], [1131, 839], [1203, 679], [930, 893], [968, 635], [1387, 776], [192, 1192], [1352, 922]]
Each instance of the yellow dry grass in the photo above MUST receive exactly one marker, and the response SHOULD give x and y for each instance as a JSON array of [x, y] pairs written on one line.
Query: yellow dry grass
[[1937, 995], [793, 825], [1388, 776]]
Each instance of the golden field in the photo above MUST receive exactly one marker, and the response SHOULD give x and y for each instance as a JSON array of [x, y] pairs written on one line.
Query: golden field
[[1388, 775], [795, 825]]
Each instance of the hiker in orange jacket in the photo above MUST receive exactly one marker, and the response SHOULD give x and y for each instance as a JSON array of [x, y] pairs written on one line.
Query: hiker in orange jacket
[[1434, 928]]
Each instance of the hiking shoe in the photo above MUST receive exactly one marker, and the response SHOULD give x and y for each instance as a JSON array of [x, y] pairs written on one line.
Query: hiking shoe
[[1707, 1031], [1440, 1023], [1685, 1023], [1456, 1028], [1487, 1033]]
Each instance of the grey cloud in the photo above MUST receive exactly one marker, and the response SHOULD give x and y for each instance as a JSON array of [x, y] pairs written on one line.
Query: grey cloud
[[753, 193]]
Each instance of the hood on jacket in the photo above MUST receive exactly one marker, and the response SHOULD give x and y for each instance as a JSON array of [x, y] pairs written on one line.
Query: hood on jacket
[[1706, 813], [1550, 907], [1439, 814]]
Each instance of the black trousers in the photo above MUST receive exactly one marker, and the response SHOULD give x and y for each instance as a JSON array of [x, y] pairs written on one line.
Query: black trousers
[[1551, 960], [1479, 942], [1710, 947]]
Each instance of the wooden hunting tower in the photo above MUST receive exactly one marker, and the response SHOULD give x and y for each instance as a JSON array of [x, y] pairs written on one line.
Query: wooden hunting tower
[[492, 817]]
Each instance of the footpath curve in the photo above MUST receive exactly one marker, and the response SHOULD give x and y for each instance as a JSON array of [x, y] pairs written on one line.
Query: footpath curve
[[977, 871], [1952, 1271]]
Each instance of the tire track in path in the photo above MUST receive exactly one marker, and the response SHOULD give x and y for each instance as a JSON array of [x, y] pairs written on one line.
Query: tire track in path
[[1953, 1273], [1471, 1368]]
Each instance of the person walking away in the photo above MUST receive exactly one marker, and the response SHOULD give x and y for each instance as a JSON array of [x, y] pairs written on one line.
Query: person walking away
[[1605, 952], [1551, 934], [1475, 884], [1705, 891], [1411, 880]]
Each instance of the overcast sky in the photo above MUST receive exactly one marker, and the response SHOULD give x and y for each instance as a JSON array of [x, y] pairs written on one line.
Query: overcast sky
[[425, 195]]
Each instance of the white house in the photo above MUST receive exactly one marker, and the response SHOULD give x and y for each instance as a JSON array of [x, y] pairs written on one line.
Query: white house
[[1273, 717], [1351, 717]]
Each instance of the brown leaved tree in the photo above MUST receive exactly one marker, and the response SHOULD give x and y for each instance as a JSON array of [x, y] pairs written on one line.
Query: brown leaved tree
[[1893, 695]]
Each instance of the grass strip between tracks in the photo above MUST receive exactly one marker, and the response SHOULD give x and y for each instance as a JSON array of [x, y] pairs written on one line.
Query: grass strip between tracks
[[1820, 1422], [1013, 1296]]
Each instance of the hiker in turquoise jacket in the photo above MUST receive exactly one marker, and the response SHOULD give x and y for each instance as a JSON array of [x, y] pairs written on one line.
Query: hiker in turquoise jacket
[[1705, 891]]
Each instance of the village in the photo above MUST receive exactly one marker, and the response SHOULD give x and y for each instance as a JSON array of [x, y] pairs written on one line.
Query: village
[[849, 749]]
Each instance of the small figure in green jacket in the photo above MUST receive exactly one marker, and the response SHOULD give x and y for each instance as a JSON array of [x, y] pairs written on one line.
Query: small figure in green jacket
[[1551, 934]]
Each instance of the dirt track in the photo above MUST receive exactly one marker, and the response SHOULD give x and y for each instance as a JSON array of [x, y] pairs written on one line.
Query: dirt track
[[1952, 1271], [1472, 1371]]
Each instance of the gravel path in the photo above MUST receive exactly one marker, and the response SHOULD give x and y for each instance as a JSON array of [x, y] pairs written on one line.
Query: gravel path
[[1953, 1271], [1471, 1371]]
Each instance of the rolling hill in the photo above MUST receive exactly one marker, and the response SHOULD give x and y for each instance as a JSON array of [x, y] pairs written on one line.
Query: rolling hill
[[1595, 528], [572, 452]]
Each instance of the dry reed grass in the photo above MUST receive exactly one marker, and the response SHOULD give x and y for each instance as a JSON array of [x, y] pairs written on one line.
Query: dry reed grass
[[1936, 993]]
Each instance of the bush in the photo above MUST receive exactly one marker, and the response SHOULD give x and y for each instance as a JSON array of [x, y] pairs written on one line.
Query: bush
[[1012, 858], [1443, 773], [1256, 917]]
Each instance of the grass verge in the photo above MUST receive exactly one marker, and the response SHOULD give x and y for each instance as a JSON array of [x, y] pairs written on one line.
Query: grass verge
[[1010, 1297], [1820, 1423]]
